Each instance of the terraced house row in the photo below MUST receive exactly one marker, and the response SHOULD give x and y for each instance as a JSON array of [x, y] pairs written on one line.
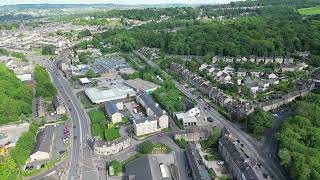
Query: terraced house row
[[236, 108]]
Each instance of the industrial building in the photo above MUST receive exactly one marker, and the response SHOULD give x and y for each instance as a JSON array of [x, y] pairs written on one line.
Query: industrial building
[[141, 85], [147, 167], [97, 96]]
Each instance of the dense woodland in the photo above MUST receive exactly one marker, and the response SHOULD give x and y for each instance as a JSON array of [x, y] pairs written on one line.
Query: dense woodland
[[14, 93], [276, 31], [300, 139], [44, 86]]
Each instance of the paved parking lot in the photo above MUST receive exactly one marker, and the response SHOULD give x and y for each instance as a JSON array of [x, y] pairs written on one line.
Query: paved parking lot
[[110, 80]]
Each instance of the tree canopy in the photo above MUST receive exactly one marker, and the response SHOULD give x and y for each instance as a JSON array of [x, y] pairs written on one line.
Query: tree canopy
[[44, 86], [300, 139], [15, 96], [258, 121]]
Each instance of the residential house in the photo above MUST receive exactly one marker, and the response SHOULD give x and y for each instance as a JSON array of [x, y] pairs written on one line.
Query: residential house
[[241, 73], [58, 105], [278, 59], [189, 118], [240, 164], [157, 118], [203, 67], [145, 125], [112, 111], [198, 169], [112, 147]]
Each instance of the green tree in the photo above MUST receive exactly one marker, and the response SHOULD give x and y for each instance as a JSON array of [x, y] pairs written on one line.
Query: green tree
[[258, 121], [90, 74], [146, 147], [8, 169], [117, 166]]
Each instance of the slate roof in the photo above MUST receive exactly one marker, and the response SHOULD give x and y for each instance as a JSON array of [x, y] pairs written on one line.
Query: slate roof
[[144, 168], [44, 139], [144, 119], [111, 107], [150, 103]]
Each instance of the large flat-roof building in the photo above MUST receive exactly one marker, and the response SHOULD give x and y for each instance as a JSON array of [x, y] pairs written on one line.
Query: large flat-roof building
[[97, 96], [147, 168], [44, 143], [141, 85]]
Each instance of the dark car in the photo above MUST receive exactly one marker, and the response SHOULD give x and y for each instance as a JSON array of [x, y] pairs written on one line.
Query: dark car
[[209, 119], [74, 137], [61, 152]]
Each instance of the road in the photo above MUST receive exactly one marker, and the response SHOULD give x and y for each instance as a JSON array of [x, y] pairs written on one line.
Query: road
[[272, 167], [80, 164]]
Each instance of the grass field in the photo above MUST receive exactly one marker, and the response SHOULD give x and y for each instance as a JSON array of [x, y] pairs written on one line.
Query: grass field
[[310, 11], [98, 123], [111, 134]]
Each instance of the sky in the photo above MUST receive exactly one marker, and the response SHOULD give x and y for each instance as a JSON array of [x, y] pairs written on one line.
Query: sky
[[7, 2]]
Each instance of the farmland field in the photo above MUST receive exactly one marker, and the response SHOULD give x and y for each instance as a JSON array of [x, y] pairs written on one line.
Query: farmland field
[[310, 11]]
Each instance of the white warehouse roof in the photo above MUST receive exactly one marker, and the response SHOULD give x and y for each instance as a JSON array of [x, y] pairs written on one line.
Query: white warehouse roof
[[99, 96]]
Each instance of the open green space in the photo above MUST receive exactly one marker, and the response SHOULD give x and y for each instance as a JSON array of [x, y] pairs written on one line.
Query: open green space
[[310, 11], [100, 126], [98, 123], [111, 133]]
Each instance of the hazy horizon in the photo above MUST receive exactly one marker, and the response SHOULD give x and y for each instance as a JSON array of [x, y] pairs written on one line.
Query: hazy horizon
[[129, 2]]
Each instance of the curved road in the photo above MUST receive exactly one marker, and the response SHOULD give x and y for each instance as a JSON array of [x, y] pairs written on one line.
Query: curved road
[[80, 165]]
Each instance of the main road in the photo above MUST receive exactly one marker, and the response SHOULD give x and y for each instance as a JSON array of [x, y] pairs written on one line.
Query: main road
[[80, 165], [272, 166]]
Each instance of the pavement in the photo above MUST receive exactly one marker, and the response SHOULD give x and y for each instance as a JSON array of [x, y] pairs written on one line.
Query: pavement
[[271, 165]]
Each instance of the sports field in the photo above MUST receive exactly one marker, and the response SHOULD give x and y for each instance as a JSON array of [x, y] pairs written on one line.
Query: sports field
[[310, 11]]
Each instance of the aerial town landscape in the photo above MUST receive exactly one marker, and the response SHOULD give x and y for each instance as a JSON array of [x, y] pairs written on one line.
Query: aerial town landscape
[[166, 91]]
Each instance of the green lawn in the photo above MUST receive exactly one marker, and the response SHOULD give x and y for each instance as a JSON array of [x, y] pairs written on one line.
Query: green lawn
[[97, 116], [310, 11], [111, 134], [98, 123]]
